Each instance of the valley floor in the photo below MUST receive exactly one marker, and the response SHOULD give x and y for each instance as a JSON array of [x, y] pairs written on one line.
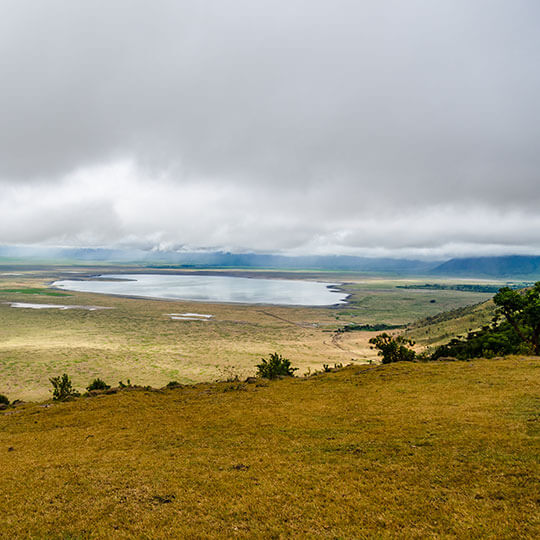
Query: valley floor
[[137, 339]]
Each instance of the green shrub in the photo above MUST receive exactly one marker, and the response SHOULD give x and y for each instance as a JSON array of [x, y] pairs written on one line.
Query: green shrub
[[276, 366], [121, 384], [173, 384], [393, 349], [4, 400], [62, 388], [98, 384]]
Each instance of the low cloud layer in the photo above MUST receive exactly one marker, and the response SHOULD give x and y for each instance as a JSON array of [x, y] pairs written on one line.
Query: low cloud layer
[[373, 128]]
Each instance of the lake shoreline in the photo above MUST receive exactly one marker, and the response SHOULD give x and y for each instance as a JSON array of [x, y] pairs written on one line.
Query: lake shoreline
[[142, 280]]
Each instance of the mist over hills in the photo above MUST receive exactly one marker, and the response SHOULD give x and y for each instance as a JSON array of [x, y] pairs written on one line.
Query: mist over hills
[[219, 259], [512, 266]]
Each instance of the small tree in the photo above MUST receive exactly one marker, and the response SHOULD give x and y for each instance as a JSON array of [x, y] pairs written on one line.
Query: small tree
[[98, 384], [62, 388], [275, 367], [4, 400], [393, 349]]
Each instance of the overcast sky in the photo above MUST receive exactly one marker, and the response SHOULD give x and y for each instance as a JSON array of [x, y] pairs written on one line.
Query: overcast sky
[[384, 127]]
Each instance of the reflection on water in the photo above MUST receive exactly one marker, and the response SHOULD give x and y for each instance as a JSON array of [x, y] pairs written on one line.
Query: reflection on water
[[212, 289]]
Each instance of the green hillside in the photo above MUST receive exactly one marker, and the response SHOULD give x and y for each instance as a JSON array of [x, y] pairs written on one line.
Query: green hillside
[[440, 328]]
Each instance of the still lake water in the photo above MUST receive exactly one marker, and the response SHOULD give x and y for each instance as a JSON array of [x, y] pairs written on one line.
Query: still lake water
[[212, 289]]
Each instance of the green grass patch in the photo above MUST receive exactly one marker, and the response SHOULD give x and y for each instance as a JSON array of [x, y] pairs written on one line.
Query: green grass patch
[[44, 292]]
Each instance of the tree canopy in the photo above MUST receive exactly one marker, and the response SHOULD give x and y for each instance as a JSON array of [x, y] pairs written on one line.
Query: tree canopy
[[522, 311], [393, 349]]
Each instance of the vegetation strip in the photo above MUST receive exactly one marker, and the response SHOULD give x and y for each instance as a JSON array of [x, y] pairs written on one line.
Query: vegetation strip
[[44, 292]]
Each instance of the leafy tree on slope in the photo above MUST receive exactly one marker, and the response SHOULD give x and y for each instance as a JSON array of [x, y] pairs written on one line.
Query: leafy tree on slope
[[522, 311], [393, 349]]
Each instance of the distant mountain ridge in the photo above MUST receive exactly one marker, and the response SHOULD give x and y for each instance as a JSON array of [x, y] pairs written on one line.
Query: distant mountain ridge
[[510, 266], [221, 259], [500, 267]]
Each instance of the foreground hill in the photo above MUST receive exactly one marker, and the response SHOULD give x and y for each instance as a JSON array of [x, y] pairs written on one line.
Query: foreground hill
[[415, 450]]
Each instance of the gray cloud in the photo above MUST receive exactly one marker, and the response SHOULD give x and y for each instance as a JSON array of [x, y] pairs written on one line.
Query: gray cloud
[[378, 127]]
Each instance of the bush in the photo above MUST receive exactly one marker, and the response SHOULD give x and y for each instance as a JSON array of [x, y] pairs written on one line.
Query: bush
[[276, 366], [393, 349], [62, 388], [4, 400], [98, 384]]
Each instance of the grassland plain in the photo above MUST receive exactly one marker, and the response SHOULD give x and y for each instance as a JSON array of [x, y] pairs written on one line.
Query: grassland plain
[[137, 340], [445, 449]]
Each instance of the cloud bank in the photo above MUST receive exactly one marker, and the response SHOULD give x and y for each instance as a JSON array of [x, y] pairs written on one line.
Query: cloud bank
[[369, 128]]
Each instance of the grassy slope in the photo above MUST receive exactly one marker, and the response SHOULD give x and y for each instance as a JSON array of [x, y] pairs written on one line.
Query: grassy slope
[[380, 301], [416, 450], [441, 328]]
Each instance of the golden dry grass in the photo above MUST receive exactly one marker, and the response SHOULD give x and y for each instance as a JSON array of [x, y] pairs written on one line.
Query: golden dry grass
[[406, 450]]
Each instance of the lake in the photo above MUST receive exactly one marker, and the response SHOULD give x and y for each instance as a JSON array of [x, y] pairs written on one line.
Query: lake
[[211, 289]]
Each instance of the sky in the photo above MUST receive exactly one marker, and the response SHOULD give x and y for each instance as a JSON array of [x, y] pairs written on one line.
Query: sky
[[375, 128]]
